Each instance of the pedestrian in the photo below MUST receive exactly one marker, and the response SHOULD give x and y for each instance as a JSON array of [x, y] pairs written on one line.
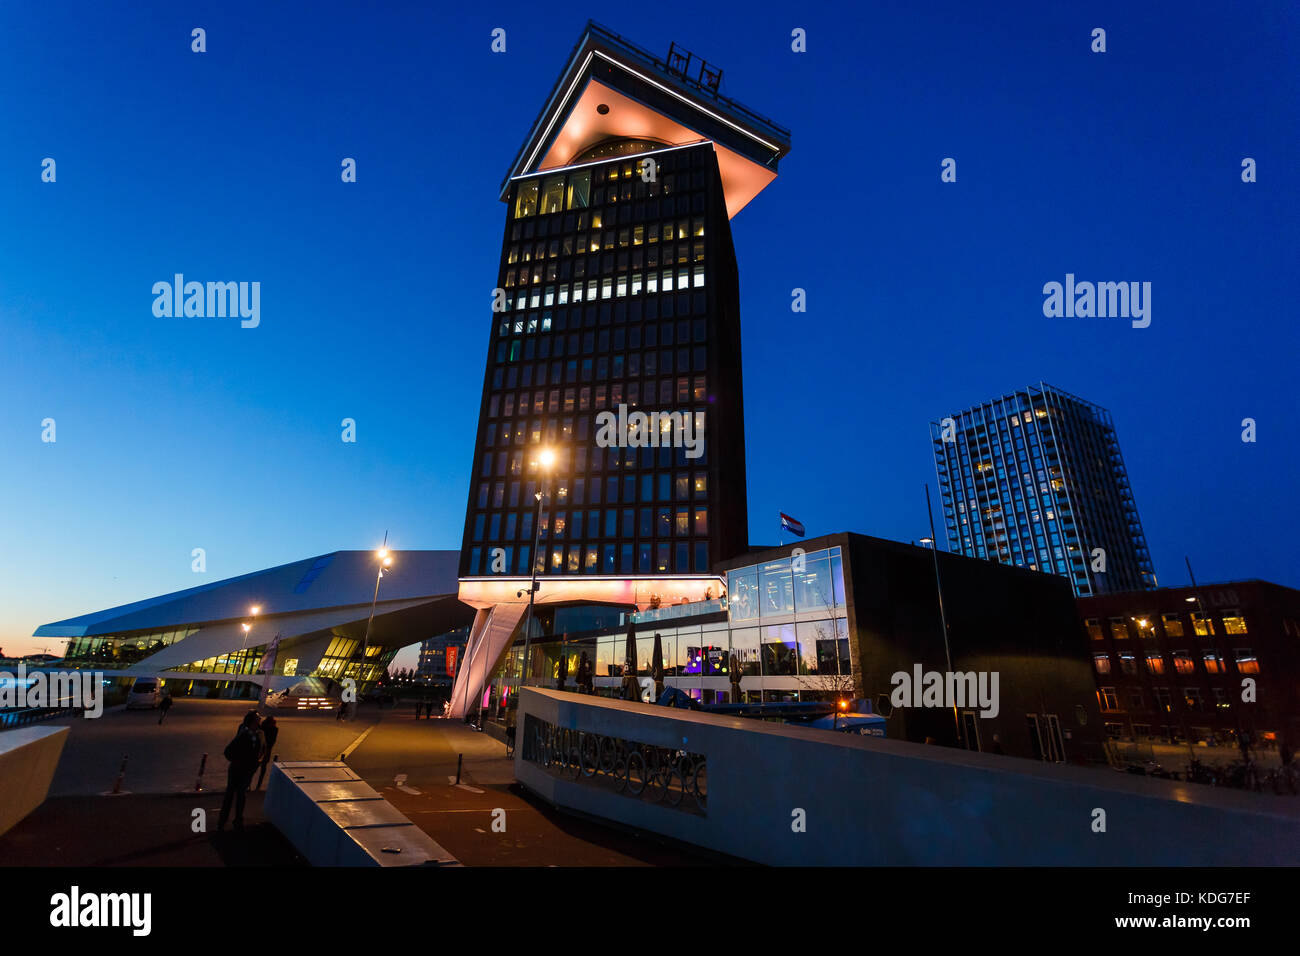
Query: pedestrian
[[343, 707], [164, 705], [243, 753], [270, 733]]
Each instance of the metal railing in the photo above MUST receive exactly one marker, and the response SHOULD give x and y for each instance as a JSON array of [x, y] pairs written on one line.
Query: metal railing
[[676, 778]]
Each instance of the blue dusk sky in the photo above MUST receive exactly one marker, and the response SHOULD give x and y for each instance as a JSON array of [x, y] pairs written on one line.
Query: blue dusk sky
[[923, 297]]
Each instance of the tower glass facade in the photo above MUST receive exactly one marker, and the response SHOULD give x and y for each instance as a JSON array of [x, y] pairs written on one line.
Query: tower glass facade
[[1036, 479]]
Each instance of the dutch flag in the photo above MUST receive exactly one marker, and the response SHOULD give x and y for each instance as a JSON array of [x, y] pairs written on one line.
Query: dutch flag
[[789, 524]]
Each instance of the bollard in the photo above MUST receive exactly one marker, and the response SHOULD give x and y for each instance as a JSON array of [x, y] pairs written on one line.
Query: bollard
[[121, 773], [459, 758], [198, 783]]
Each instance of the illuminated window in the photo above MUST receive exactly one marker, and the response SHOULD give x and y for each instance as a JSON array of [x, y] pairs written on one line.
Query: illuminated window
[[1155, 664], [526, 200], [1102, 663], [1128, 663], [1108, 698], [1094, 628], [1173, 625], [1213, 663], [1183, 662], [1118, 628], [579, 189], [1202, 625], [1247, 663], [1233, 622]]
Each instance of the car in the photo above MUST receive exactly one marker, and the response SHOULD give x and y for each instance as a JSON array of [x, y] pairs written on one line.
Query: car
[[145, 693]]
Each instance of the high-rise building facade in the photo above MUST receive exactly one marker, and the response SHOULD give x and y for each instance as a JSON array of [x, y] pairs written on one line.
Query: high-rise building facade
[[610, 456], [1035, 478], [620, 296]]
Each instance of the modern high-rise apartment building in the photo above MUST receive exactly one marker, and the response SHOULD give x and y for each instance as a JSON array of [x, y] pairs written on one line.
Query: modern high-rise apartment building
[[613, 382], [1036, 479]]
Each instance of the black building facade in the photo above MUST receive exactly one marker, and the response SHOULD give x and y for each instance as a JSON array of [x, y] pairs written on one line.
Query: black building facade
[[618, 295]]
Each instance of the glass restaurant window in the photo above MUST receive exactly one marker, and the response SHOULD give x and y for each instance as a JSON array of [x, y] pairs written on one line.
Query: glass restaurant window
[[579, 190], [526, 200], [553, 194]]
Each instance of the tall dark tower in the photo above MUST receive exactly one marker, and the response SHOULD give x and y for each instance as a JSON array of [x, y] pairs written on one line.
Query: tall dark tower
[[613, 381]]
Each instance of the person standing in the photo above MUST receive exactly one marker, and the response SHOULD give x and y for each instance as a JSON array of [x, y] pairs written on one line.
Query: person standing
[[243, 753], [270, 731], [164, 705]]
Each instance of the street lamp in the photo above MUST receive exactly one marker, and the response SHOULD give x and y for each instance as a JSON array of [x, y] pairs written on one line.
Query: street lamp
[[243, 649], [546, 460], [385, 562]]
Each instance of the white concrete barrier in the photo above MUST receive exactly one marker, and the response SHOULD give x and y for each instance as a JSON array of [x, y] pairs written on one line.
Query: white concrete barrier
[[28, 759], [334, 818], [789, 795]]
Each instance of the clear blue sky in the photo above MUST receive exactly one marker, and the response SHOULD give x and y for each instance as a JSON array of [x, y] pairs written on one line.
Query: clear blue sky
[[923, 297]]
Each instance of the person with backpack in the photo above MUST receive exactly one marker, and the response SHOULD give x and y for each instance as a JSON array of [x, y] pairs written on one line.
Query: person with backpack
[[243, 752], [270, 731]]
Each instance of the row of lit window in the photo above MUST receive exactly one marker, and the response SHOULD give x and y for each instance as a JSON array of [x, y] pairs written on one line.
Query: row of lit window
[[599, 523], [559, 193], [609, 287], [1184, 662], [662, 557], [1233, 623], [580, 399], [644, 234], [682, 254], [654, 486], [630, 394], [683, 389]]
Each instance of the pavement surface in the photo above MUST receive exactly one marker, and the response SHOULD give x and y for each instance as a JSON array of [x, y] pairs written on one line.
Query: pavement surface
[[165, 758], [411, 762], [461, 818]]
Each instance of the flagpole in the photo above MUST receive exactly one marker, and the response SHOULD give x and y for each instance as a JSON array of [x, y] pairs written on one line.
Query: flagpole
[[943, 617]]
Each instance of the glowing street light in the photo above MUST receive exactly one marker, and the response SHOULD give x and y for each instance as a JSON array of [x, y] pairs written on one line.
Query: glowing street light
[[547, 460], [385, 561]]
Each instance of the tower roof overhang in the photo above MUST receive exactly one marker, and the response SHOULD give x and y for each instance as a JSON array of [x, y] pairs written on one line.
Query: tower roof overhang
[[613, 89]]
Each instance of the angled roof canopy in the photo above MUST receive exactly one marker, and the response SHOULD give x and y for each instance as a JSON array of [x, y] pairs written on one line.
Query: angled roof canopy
[[612, 88]]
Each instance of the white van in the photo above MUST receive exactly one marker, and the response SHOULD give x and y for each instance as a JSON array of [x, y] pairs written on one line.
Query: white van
[[145, 692]]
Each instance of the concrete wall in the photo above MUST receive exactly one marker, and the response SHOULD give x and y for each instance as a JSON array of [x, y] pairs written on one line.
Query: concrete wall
[[334, 818], [28, 758], [868, 801]]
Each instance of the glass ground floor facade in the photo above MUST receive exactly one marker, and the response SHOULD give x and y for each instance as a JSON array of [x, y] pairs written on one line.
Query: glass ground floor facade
[[783, 623]]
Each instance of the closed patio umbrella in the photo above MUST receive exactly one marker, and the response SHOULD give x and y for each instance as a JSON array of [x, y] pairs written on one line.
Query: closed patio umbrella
[[630, 689], [657, 665]]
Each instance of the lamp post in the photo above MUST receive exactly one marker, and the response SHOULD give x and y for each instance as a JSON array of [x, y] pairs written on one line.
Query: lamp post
[[385, 562], [546, 459]]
